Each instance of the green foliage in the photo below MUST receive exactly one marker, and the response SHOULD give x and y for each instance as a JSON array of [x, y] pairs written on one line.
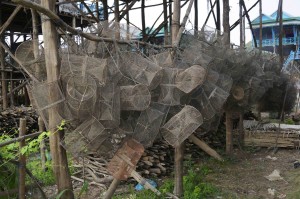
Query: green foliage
[[47, 176], [194, 185], [289, 121]]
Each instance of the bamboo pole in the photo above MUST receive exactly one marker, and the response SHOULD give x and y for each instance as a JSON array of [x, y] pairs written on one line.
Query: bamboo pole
[[10, 19], [20, 138], [196, 17], [260, 26], [218, 15], [165, 12], [182, 25], [22, 160], [179, 151], [241, 128], [205, 147], [42, 144], [244, 14], [229, 127], [226, 26], [112, 188], [241, 26], [143, 19], [58, 153], [3, 73], [117, 20]]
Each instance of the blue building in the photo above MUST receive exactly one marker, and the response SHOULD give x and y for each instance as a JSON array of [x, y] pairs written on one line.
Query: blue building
[[270, 37]]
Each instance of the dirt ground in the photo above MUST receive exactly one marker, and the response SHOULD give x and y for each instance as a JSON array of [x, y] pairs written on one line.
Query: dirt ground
[[243, 175]]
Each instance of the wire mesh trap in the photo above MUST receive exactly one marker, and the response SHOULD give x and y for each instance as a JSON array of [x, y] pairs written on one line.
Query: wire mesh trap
[[33, 63], [148, 124], [88, 137], [190, 78], [135, 97], [81, 95], [182, 125], [140, 69], [49, 99]]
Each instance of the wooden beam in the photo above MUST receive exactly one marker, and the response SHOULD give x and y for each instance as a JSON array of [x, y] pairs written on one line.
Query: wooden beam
[[183, 23], [229, 137], [205, 147], [208, 15], [22, 160], [66, 27], [143, 19], [235, 24], [3, 73], [196, 17], [218, 15], [249, 21], [10, 19], [260, 26], [226, 26], [165, 12], [58, 153]]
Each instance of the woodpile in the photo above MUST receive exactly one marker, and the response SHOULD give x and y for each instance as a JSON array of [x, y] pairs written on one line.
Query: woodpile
[[9, 119], [283, 138]]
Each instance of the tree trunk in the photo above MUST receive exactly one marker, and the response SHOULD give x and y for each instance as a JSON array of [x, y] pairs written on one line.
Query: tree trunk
[[58, 153]]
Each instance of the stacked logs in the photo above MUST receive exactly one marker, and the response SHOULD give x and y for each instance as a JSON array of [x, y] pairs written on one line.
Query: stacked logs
[[9, 119]]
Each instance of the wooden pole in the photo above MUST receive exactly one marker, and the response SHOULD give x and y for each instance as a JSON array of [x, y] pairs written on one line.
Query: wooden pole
[[3, 73], [10, 19], [196, 16], [241, 128], [117, 20], [42, 144], [260, 26], [218, 15], [249, 21], [242, 45], [112, 188], [58, 153], [35, 39], [170, 21], [143, 19], [280, 50], [226, 26], [22, 160], [229, 127], [205, 147], [127, 22], [166, 33], [179, 151]]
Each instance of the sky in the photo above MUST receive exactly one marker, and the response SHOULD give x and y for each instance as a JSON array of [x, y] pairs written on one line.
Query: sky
[[268, 7]]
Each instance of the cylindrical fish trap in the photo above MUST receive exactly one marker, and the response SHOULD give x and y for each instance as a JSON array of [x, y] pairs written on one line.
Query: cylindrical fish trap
[[140, 69], [87, 137], [48, 98], [225, 82], [148, 125], [200, 101], [190, 78], [135, 97], [35, 66], [125, 159], [212, 76], [81, 95], [182, 125], [84, 65], [163, 59], [107, 109], [216, 95]]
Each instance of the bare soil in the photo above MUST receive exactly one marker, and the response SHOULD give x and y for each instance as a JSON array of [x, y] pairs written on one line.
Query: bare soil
[[243, 175]]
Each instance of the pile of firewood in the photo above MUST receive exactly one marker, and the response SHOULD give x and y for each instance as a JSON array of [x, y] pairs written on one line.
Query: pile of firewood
[[9, 119]]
